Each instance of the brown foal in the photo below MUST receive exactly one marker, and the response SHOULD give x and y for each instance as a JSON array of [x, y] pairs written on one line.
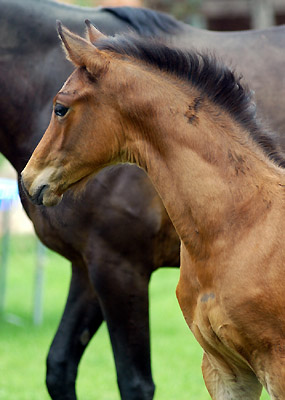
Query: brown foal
[[190, 124]]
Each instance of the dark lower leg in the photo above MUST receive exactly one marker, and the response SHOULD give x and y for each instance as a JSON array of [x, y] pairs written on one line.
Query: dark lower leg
[[81, 319]]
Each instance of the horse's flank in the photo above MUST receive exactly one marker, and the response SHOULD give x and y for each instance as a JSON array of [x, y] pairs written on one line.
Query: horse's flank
[[192, 128]]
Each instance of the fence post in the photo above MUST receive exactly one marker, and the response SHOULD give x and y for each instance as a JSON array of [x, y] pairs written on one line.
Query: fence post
[[262, 14], [4, 257], [39, 283]]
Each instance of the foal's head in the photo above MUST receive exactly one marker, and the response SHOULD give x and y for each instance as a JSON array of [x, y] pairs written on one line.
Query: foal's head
[[87, 103]]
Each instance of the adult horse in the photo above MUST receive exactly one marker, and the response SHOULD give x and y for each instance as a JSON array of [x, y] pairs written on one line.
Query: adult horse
[[91, 233], [190, 124]]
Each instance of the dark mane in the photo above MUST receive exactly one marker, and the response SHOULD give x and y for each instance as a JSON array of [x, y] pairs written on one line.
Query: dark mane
[[147, 22], [208, 75]]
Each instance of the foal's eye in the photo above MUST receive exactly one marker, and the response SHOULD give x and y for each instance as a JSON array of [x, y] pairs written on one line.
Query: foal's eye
[[60, 110]]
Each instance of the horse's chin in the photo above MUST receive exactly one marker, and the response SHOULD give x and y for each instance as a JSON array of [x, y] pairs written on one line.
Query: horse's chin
[[51, 199]]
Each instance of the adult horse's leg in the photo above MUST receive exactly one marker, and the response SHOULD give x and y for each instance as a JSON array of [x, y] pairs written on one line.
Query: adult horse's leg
[[81, 319], [123, 293], [128, 324]]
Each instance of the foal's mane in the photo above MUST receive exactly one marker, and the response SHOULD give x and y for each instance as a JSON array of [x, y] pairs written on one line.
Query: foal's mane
[[211, 77]]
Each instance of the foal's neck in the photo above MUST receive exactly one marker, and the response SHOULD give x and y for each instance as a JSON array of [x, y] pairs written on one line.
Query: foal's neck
[[213, 179]]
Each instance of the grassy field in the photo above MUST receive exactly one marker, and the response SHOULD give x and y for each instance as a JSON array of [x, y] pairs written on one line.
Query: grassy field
[[176, 357]]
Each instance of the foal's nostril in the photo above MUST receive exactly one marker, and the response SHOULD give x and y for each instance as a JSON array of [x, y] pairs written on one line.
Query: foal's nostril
[[37, 198]]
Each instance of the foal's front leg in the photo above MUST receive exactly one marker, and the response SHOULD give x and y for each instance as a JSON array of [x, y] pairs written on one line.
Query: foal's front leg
[[227, 376], [229, 383], [81, 319]]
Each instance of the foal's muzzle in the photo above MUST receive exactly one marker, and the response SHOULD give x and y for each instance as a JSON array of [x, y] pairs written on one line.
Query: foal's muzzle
[[37, 197]]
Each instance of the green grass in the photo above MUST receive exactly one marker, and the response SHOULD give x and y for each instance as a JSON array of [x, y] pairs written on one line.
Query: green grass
[[176, 357], [86, 3]]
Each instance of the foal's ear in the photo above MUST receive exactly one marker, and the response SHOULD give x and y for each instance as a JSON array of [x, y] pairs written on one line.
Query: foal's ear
[[92, 33], [80, 51]]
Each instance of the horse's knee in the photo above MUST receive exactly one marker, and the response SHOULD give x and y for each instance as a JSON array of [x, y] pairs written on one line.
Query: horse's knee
[[60, 381]]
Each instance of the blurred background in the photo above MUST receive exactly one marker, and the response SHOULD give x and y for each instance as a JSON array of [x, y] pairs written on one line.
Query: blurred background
[[225, 15]]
